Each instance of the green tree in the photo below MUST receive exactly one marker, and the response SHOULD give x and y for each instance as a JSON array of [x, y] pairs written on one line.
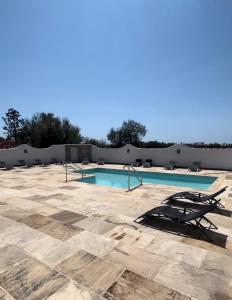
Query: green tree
[[131, 132], [99, 143], [13, 124], [44, 130], [115, 137], [71, 133]]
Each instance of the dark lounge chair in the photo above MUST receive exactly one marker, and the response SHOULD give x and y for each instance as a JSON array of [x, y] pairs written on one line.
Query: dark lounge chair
[[185, 216], [100, 161], [170, 166], [54, 161], [85, 161], [38, 161], [196, 167], [22, 163], [197, 197], [138, 162], [147, 163], [4, 166]]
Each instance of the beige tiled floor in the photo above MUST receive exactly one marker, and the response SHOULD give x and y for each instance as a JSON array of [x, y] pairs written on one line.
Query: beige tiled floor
[[73, 240]]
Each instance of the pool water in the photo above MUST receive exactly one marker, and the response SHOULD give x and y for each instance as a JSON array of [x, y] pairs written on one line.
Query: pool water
[[119, 179]]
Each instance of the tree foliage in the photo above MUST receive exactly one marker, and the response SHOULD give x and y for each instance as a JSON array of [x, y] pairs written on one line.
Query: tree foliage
[[131, 132], [13, 124], [210, 145], [99, 143], [44, 130], [154, 144]]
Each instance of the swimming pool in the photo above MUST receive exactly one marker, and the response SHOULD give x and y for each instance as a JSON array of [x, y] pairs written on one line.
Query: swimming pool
[[119, 179]]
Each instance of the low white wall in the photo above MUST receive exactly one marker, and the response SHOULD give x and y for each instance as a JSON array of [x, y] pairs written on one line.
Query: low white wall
[[29, 154], [210, 158]]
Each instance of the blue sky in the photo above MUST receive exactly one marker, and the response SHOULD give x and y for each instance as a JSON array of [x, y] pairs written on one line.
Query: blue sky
[[166, 64]]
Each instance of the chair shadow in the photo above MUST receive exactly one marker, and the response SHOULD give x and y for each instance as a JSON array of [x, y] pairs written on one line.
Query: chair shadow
[[182, 204], [184, 230]]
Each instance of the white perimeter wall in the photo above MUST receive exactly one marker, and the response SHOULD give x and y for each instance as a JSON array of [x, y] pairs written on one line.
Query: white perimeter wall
[[12, 155], [210, 158]]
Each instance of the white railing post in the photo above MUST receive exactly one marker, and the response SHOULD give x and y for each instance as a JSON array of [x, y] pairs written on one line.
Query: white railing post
[[140, 179], [75, 167], [66, 171]]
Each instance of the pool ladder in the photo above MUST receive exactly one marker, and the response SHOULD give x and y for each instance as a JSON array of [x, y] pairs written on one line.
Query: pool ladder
[[132, 172], [73, 166]]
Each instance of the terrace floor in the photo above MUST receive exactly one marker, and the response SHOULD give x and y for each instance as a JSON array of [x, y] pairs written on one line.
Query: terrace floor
[[73, 240]]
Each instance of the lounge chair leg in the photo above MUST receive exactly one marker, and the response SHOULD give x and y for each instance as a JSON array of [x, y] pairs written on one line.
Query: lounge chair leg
[[212, 225], [220, 205], [200, 227]]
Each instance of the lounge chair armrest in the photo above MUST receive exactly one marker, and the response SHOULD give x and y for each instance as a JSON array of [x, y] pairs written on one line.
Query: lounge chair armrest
[[202, 195], [186, 210]]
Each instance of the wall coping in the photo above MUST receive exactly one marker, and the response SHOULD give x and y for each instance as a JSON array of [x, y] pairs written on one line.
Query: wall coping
[[175, 146]]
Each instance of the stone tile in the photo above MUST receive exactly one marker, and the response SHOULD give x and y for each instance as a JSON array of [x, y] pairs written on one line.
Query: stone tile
[[20, 187], [67, 217], [5, 296], [59, 230], [16, 213], [87, 222], [10, 255], [126, 235], [20, 235], [55, 203], [12, 201], [179, 251], [4, 207], [74, 291], [45, 188], [193, 281], [75, 263], [133, 286], [95, 225], [147, 251], [90, 271], [49, 250], [122, 220], [26, 204], [36, 198], [98, 275], [69, 187], [6, 224], [29, 279], [58, 196], [93, 243], [203, 245], [217, 263], [35, 221], [137, 260], [144, 240], [45, 210]]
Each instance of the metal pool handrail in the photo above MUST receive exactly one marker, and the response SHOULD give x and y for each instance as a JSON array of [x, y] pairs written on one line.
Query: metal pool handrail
[[131, 169], [73, 166]]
